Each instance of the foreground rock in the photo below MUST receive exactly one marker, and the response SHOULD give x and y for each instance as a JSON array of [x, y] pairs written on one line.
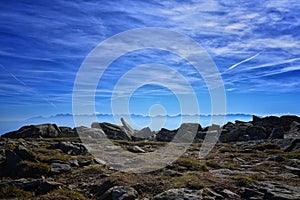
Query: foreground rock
[[62, 169]]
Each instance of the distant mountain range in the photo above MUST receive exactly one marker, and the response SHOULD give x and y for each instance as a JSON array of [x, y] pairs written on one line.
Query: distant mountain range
[[172, 121]]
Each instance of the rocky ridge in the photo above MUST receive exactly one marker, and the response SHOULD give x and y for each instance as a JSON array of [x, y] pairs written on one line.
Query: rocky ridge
[[252, 160], [271, 127]]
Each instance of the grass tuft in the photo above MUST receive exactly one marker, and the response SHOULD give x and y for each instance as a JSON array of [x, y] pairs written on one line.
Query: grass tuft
[[62, 194], [32, 169], [13, 192], [192, 164]]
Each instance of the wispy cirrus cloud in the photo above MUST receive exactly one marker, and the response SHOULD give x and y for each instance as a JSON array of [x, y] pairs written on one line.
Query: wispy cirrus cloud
[[45, 48]]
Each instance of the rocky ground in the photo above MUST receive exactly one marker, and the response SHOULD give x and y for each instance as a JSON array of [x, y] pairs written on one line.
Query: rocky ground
[[252, 160]]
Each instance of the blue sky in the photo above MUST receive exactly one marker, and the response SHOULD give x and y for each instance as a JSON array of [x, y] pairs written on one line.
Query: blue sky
[[255, 45]]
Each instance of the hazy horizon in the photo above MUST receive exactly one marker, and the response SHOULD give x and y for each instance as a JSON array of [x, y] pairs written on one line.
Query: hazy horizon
[[139, 120]]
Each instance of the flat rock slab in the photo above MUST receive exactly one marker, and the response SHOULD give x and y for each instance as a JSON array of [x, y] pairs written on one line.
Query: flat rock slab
[[58, 168]]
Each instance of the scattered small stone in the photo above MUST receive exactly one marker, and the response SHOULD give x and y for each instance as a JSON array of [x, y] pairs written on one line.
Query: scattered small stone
[[247, 151], [180, 193], [100, 162], [137, 149], [113, 148], [240, 160], [293, 170], [72, 186], [246, 166], [74, 163], [288, 175], [213, 194], [229, 194]]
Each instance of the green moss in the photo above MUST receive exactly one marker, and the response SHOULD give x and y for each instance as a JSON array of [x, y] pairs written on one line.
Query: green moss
[[260, 168], [214, 164], [46, 155], [223, 163], [269, 146], [258, 177], [187, 180], [192, 164], [54, 157], [44, 150], [247, 180], [292, 155], [273, 151], [231, 149]]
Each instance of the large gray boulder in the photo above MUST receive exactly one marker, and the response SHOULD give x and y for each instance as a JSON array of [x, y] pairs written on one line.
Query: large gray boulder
[[232, 136], [112, 131], [90, 132], [35, 131], [256, 133], [165, 135], [188, 132], [277, 133]]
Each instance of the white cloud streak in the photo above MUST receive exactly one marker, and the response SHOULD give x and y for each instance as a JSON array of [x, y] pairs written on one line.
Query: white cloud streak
[[243, 61]]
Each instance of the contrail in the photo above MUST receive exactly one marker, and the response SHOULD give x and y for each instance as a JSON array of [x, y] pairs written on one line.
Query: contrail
[[275, 63], [12, 75], [30, 89], [243, 61]]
